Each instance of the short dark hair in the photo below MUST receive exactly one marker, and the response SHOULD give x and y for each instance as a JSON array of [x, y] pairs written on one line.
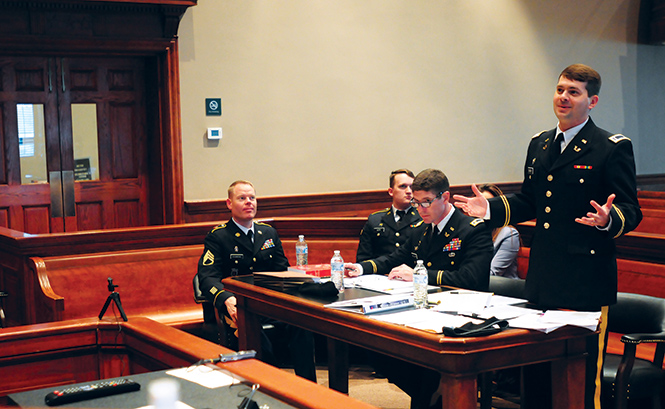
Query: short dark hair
[[431, 180], [583, 73], [237, 182], [492, 188], [397, 172]]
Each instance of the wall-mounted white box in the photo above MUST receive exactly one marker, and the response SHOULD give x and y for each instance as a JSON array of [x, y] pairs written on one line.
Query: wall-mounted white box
[[214, 133]]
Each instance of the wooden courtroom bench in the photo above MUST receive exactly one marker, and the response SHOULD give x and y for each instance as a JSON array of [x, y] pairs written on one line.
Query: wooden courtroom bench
[[155, 283], [653, 212]]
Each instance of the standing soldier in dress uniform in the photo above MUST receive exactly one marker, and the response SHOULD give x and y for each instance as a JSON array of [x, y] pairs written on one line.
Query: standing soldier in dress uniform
[[390, 228], [570, 170], [240, 247]]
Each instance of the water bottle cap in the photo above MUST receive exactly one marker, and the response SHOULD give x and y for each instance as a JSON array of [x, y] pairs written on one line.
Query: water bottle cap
[[301, 237], [336, 252]]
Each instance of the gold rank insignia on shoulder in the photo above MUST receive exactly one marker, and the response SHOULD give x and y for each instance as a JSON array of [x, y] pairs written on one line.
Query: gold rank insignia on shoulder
[[208, 258], [618, 138], [221, 226], [476, 222], [417, 224], [538, 134]]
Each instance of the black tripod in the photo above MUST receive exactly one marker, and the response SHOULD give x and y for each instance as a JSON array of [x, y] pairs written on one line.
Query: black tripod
[[115, 297]]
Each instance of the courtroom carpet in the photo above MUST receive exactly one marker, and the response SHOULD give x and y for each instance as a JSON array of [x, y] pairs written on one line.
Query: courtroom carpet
[[381, 393]]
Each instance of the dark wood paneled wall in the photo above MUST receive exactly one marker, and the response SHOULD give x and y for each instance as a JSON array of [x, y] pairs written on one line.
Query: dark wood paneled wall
[[353, 204], [344, 204]]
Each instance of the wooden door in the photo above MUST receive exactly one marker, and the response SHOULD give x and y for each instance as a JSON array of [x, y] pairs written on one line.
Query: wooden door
[[90, 118]]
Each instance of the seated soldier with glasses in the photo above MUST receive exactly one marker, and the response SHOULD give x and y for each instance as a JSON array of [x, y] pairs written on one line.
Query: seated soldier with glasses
[[456, 249]]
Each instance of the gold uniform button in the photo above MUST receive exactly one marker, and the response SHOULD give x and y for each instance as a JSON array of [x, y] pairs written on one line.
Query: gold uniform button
[[550, 178], [397, 234], [581, 180], [429, 264], [254, 259], [593, 251], [548, 193], [396, 244], [546, 226], [452, 263], [547, 209]]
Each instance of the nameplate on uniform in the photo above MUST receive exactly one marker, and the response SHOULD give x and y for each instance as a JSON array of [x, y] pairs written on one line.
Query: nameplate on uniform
[[237, 256]]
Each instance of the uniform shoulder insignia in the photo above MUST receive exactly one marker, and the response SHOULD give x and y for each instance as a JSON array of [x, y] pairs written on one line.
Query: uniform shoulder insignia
[[476, 222], [616, 138], [263, 224], [221, 226], [208, 258], [386, 210], [538, 134], [417, 224]]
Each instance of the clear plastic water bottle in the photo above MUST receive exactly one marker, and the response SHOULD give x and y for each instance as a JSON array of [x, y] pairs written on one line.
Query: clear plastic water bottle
[[420, 285], [301, 251], [337, 271]]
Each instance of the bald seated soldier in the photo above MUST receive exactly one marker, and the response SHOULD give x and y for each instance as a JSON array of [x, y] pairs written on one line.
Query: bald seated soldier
[[240, 247]]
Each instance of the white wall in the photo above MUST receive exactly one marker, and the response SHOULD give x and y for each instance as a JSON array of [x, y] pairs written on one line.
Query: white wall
[[325, 96]]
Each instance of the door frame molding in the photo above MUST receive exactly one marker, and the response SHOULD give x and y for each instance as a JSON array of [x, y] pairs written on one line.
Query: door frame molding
[[44, 27]]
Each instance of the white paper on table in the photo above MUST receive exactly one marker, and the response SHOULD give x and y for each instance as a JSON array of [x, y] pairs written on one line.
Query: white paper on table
[[382, 284], [534, 322], [498, 300], [425, 319], [506, 312], [460, 301], [178, 405], [204, 376], [588, 320]]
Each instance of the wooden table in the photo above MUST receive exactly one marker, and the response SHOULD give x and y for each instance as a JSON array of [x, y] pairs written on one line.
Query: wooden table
[[459, 360], [85, 350]]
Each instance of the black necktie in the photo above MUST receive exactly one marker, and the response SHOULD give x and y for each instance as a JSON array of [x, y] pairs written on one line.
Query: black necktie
[[555, 149], [250, 234], [400, 214]]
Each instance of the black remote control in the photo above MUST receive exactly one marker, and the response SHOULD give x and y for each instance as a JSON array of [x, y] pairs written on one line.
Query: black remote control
[[90, 391]]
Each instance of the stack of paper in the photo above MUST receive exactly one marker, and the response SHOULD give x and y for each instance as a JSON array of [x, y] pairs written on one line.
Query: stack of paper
[[380, 283], [460, 301], [425, 319], [553, 319]]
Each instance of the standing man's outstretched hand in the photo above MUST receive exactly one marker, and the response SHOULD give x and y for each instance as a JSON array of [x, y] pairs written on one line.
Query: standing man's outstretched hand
[[473, 206]]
